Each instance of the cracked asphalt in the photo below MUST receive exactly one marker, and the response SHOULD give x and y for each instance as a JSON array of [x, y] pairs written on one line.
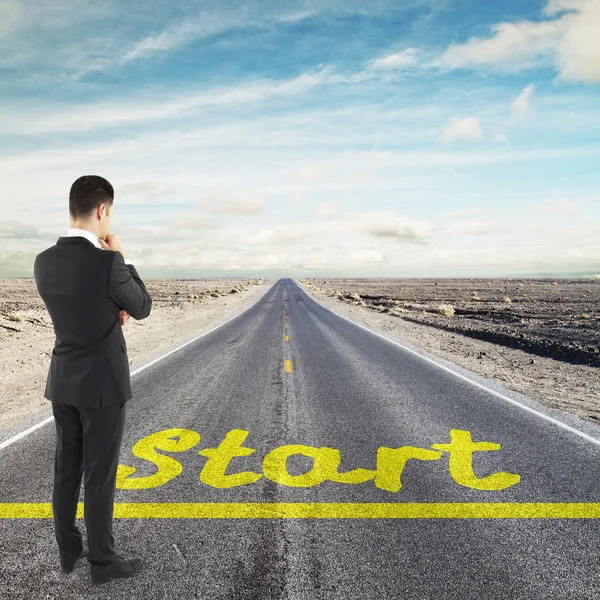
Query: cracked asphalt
[[346, 389]]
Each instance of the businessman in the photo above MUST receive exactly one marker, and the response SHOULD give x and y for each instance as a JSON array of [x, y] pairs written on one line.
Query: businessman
[[90, 289]]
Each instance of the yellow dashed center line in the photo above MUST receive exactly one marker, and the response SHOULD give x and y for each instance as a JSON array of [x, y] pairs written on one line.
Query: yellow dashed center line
[[288, 363]]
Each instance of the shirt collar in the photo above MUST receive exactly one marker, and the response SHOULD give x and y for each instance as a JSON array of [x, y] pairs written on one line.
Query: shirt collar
[[86, 234]]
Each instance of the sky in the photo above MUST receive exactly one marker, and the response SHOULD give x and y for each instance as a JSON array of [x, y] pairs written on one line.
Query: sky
[[339, 138]]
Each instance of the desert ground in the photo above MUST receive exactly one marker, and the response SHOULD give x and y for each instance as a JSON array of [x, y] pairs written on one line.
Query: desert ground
[[181, 309], [539, 337]]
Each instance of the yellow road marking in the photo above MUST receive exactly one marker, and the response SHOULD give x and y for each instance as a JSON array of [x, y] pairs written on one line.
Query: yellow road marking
[[327, 510], [288, 366], [287, 337]]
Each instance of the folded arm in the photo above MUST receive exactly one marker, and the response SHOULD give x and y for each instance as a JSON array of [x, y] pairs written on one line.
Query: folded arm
[[127, 289]]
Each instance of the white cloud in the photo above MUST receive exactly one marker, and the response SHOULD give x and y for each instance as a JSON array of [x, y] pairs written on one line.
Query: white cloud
[[187, 163], [386, 224], [501, 138], [31, 29], [221, 200], [191, 222], [555, 207], [476, 227], [406, 58], [175, 35], [277, 235], [570, 42], [10, 15], [467, 128], [458, 214], [16, 230], [90, 116], [310, 174], [522, 103], [555, 6], [327, 209], [145, 192], [365, 256], [578, 53], [512, 46]]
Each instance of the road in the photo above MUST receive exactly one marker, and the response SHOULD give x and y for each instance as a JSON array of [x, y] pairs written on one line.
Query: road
[[292, 454]]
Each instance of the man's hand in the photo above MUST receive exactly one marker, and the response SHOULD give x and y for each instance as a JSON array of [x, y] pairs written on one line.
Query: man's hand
[[112, 242]]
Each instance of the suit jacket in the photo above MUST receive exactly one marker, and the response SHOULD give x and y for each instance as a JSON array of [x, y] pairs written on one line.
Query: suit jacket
[[83, 288]]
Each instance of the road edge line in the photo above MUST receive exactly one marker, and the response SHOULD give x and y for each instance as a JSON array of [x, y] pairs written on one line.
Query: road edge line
[[31, 429], [581, 434]]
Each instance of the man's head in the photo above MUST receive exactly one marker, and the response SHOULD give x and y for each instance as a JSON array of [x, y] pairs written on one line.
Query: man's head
[[90, 204]]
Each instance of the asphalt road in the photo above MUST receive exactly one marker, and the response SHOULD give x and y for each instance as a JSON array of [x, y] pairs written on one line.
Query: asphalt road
[[287, 371]]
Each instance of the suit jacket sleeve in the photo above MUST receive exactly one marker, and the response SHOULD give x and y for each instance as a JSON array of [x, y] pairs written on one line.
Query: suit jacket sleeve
[[127, 289]]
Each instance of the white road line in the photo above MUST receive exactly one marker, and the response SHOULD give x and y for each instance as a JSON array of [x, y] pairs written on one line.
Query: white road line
[[585, 436], [12, 440], [25, 433]]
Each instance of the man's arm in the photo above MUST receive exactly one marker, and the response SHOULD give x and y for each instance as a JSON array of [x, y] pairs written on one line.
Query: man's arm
[[127, 289]]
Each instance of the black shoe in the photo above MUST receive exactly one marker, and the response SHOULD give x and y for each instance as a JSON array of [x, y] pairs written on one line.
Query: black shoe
[[122, 567], [67, 566]]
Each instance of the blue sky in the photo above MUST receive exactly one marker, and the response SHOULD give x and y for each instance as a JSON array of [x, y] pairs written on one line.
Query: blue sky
[[397, 138]]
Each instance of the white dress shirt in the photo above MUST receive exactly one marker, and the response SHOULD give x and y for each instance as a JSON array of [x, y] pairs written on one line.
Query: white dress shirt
[[90, 236]]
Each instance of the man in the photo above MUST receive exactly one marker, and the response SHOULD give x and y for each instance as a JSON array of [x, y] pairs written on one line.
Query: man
[[90, 290]]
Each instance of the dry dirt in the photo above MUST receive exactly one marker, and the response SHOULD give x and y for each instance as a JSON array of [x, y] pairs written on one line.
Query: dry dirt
[[544, 344], [26, 345]]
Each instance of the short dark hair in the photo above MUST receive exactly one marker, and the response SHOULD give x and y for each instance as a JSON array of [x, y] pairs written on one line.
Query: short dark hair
[[87, 194]]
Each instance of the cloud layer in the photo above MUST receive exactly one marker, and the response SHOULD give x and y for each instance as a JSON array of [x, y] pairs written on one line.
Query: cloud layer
[[396, 138], [568, 39]]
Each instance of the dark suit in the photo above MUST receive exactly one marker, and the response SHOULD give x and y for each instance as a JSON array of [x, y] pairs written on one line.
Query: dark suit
[[83, 288]]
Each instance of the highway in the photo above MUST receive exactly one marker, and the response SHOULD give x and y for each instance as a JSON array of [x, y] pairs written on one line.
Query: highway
[[292, 454]]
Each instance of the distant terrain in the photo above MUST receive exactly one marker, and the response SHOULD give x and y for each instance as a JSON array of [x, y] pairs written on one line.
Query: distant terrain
[[540, 336], [181, 309]]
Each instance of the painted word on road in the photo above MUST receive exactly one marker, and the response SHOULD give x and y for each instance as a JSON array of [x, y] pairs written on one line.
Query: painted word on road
[[390, 463]]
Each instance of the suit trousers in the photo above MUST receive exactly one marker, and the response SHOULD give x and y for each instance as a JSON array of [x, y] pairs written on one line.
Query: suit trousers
[[88, 442]]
